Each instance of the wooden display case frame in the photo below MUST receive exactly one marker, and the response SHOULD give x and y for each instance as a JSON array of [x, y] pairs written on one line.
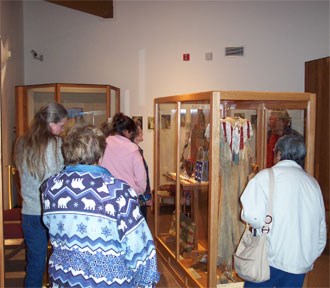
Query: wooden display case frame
[[261, 100], [22, 99]]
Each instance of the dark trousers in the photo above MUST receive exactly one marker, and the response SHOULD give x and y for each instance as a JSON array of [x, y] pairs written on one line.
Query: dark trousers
[[144, 210], [279, 278], [36, 241]]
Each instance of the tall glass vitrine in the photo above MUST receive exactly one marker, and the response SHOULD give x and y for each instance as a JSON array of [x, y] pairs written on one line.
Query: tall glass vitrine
[[207, 146]]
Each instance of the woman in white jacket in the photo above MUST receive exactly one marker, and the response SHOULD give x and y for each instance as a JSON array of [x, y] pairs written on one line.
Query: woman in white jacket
[[298, 230]]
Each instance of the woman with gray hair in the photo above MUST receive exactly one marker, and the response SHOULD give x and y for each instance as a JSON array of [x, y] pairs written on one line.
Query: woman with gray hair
[[98, 235], [297, 234], [291, 148]]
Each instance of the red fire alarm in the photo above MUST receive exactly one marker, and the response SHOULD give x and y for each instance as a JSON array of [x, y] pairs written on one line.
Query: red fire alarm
[[186, 57]]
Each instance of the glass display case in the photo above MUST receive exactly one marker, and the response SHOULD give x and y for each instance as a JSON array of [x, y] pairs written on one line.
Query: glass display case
[[207, 146], [90, 103]]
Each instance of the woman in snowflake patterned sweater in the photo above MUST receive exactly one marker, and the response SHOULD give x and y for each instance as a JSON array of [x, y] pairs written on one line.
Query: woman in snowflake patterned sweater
[[98, 235]]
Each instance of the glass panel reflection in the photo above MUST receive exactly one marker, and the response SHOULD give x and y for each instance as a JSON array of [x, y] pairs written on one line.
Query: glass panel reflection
[[282, 122], [113, 102], [36, 98], [166, 191], [194, 188], [85, 105]]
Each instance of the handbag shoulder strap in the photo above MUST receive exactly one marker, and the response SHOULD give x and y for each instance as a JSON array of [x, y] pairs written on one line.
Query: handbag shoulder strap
[[269, 216], [271, 191]]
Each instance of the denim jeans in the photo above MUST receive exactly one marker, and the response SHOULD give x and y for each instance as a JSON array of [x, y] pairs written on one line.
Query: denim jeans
[[36, 241], [279, 278]]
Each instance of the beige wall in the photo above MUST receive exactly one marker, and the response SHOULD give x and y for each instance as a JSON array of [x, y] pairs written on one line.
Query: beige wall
[[140, 49]]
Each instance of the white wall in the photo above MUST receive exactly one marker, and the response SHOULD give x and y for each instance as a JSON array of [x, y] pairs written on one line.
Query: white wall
[[140, 49]]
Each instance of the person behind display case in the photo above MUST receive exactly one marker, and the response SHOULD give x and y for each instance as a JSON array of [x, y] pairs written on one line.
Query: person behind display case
[[298, 229], [37, 156], [98, 236], [279, 125]]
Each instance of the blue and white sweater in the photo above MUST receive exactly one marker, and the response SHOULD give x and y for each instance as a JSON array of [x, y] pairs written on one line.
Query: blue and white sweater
[[98, 235]]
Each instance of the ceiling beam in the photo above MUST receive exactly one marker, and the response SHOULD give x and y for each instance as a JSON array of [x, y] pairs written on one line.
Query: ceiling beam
[[101, 8]]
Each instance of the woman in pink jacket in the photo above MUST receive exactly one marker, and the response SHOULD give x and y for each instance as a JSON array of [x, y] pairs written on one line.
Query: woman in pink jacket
[[122, 157]]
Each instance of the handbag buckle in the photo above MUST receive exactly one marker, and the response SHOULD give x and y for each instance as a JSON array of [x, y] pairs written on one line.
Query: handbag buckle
[[268, 219], [265, 229]]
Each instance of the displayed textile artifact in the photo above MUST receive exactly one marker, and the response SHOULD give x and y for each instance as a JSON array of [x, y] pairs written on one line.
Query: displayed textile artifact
[[235, 138]]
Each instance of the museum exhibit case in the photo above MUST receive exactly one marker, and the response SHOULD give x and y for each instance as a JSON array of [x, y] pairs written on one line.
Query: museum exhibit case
[[89, 103], [207, 146]]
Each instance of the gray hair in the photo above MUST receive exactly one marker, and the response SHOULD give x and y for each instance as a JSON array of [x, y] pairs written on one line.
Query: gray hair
[[84, 144], [292, 147]]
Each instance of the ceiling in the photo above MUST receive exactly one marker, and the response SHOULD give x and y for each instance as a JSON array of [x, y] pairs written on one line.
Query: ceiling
[[101, 8]]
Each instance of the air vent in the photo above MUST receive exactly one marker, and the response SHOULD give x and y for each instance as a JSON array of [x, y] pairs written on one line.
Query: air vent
[[234, 51]]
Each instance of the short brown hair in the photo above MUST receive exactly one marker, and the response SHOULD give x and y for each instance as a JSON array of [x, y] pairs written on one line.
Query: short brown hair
[[84, 144]]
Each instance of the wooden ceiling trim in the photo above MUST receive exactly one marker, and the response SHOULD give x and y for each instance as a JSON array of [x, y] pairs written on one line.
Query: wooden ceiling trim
[[101, 8]]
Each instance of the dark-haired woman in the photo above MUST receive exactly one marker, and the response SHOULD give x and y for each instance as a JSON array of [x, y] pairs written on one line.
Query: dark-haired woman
[[38, 155], [122, 157]]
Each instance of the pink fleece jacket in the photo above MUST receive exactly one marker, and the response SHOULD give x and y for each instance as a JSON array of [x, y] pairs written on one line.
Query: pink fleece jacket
[[123, 159]]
